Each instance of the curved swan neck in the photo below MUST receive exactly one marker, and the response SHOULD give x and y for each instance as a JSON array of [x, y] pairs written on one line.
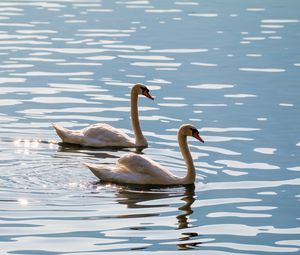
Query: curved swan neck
[[140, 140], [184, 148]]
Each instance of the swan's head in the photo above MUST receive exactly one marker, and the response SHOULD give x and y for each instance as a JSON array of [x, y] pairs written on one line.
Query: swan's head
[[141, 89], [189, 130]]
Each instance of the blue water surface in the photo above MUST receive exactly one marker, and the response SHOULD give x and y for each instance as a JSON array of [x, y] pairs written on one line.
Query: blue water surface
[[231, 68]]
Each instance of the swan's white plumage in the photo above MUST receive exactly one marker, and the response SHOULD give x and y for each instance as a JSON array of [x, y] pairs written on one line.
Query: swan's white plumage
[[134, 169], [96, 135], [138, 169], [100, 135]]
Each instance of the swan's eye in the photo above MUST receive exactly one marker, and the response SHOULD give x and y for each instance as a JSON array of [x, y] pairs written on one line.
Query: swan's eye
[[195, 131], [144, 90]]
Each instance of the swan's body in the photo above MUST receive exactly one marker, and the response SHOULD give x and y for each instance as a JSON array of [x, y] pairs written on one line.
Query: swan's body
[[138, 169], [104, 135], [96, 135]]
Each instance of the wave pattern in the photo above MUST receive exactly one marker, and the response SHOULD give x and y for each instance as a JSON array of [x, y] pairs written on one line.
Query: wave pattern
[[233, 72]]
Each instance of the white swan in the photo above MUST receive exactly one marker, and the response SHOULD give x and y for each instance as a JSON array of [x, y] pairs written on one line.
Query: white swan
[[103, 135], [138, 169]]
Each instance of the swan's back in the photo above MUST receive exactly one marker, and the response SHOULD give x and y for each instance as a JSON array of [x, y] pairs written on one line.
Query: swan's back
[[138, 163], [105, 135], [147, 170]]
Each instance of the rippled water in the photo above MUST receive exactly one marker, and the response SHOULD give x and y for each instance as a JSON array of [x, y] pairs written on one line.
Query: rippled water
[[230, 68]]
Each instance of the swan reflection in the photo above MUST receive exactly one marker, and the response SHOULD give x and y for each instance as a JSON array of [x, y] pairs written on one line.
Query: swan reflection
[[147, 198], [98, 153]]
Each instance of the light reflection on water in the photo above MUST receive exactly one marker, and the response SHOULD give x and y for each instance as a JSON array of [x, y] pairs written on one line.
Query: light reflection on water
[[231, 70]]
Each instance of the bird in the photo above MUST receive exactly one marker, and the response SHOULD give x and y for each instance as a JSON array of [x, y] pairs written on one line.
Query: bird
[[135, 168], [103, 135]]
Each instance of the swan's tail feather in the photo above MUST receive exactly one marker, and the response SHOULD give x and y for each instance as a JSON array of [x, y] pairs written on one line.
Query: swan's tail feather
[[96, 169], [59, 130], [66, 135]]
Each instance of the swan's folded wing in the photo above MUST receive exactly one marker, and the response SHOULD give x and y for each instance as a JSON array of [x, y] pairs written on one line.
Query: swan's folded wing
[[106, 135], [141, 164], [136, 162], [143, 170]]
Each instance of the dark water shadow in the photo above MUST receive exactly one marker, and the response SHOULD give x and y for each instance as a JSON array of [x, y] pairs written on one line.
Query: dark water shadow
[[93, 152], [134, 196], [112, 148]]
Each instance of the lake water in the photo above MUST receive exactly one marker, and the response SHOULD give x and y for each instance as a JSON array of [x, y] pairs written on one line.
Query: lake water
[[231, 68]]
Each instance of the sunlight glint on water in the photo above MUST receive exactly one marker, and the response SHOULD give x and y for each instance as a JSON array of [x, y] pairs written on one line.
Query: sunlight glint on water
[[230, 69]]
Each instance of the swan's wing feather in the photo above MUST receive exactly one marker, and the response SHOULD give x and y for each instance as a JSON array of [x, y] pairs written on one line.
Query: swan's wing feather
[[104, 131], [137, 162], [105, 135], [141, 164]]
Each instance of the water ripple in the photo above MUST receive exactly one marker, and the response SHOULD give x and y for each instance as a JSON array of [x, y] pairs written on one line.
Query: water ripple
[[73, 62]]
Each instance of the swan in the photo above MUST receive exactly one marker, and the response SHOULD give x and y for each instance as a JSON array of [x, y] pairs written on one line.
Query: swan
[[104, 135], [138, 169]]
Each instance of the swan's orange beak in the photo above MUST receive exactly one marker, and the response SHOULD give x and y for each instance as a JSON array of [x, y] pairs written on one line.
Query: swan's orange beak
[[147, 94], [198, 137]]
